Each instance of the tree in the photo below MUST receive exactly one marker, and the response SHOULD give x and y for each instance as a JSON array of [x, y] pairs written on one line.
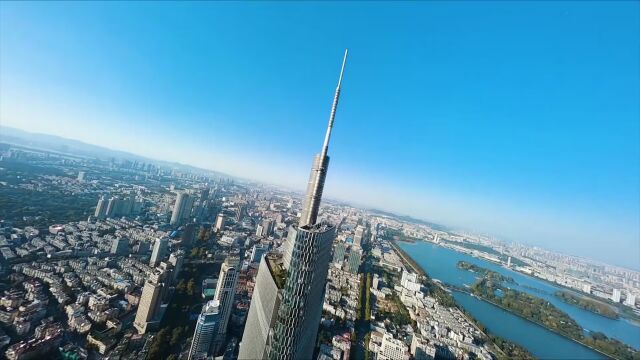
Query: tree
[[181, 286], [204, 234], [176, 335], [158, 347], [191, 287]]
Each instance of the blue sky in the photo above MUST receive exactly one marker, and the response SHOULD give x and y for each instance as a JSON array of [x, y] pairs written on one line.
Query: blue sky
[[520, 119]]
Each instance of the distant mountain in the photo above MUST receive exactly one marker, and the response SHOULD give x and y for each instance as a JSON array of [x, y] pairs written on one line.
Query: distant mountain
[[75, 147], [410, 219]]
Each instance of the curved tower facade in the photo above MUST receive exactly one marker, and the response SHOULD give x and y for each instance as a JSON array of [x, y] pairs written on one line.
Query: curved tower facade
[[289, 329]]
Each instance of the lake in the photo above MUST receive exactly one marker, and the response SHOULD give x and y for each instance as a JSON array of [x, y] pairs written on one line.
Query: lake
[[440, 263]]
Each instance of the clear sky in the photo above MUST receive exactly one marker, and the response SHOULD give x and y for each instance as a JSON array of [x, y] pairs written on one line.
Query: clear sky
[[516, 118]]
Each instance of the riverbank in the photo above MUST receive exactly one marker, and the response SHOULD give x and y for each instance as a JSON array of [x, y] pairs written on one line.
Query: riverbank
[[512, 349], [583, 302], [407, 259], [543, 313], [625, 313], [533, 322]]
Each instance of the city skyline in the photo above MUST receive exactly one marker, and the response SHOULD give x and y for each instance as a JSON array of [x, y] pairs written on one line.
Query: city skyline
[[564, 189]]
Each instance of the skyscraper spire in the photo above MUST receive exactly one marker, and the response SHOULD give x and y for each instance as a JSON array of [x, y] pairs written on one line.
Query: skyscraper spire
[[334, 106], [284, 315], [320, 164]]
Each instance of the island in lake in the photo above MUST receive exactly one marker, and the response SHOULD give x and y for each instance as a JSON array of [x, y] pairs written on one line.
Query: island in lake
[[490, 288], [588, 304]]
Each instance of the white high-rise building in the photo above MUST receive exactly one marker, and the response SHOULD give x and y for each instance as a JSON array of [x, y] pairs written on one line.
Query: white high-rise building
[[392, 349], [410, 281], [101, 208], [206, 329], [615, 297], [81, 175], [220, 220], [225, 293], [630, 300], [357, 238]]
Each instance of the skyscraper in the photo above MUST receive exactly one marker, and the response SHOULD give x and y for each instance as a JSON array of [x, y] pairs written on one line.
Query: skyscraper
[[112, 207], [120, 246], [225, 292], [159, 251], [101, 208], [182, 208], [149, 301], [176, 259], [267, 227], [220, 221], [357, 238], [300, 284], [354, 259], [338, 253], [206, 329]]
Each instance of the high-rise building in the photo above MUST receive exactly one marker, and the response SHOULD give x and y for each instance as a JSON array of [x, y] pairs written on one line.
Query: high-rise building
[[264, 308], [267, 227], [182, 208], [159, 251], [204, 195], [220, 221], [257, 252], [393, 349], [630, 300], [300, 284], [259, 231], [206, 329], [81, 175], [615, 297], [117, 207], [101, 208], [120, 246], [188, 234], [225, 293], [338, 253], [354, 260], [357, 238], [143, 248], [149, 303], [112, 207], [176, 259], [241, 212]]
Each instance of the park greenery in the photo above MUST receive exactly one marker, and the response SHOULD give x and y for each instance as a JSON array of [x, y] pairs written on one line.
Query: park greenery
[[486, 273], [588, 304], [177, 325], [398, 315], [546, 314]]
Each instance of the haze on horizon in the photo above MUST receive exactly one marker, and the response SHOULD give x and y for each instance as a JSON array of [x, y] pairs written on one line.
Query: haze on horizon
[[519, 119]]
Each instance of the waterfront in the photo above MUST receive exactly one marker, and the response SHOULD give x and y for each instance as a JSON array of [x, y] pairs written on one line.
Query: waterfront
[[440, 263]]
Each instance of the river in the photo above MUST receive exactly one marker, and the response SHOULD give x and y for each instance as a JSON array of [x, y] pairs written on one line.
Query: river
[[440, 263]]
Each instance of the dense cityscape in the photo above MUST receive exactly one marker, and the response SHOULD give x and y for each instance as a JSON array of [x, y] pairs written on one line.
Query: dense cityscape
[[129, 259], [166, 263], [481, 162]]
